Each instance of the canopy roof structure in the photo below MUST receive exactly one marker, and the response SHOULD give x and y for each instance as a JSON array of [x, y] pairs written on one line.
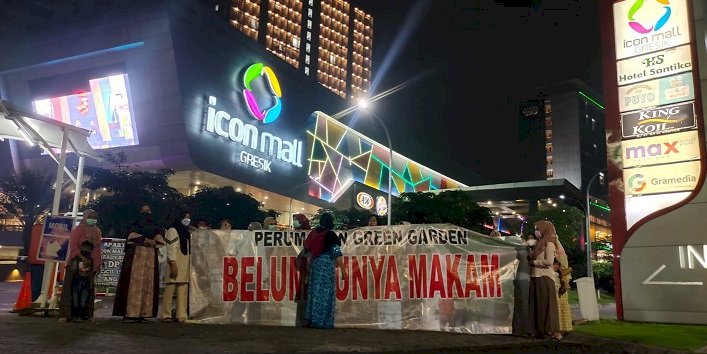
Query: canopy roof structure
[[19, 124]]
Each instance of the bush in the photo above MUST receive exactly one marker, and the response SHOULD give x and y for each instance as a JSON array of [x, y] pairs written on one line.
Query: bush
[[604, 275]]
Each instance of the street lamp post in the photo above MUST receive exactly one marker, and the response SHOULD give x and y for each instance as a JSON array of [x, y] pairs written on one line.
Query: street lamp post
[[590, 271], [363, 104]]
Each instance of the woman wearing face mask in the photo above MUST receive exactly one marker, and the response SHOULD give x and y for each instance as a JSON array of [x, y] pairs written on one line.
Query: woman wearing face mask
[[86, 231], [300, 222], [547, 322], [178, 239], [270, 223]]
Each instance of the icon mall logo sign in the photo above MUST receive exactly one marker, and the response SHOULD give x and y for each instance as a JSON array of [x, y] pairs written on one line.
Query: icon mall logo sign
[[270, 114], [638, 27], [637, 182]]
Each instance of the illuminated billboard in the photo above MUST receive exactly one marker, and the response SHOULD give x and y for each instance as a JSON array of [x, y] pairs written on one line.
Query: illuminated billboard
[[661, 149], [338, 156], [647, 26], [659, 120], [676, 177], [667, 90], [652, 66], [106, 110]]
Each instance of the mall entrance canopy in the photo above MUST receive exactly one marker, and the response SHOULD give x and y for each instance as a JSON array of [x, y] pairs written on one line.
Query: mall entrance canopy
[[48, 134]]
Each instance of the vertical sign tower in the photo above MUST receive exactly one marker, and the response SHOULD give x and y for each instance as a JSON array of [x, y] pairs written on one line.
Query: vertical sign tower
[[656, 159]]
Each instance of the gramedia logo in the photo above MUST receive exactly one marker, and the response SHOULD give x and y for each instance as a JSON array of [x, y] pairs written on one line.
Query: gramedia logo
[[253, 72], [640, 28], [637, 182]]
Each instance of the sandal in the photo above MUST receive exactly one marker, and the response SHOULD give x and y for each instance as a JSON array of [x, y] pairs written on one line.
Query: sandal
[[167, 320], [129, 320], [181, 320]]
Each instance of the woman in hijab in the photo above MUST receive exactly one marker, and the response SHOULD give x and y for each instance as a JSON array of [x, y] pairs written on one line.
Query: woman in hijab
[[138, 285], [323, 244], [87, 232], [564, 311], [544, 294], [178, 239], [300, 222]]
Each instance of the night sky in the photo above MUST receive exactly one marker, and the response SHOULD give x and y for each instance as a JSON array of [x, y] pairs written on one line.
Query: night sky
[[472, 60]]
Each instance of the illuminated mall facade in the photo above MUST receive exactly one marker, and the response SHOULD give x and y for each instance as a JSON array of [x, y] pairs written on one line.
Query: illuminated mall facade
[[232, 93]]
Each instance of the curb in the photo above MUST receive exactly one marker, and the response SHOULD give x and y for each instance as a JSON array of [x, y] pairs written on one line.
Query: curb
[[626, 347]]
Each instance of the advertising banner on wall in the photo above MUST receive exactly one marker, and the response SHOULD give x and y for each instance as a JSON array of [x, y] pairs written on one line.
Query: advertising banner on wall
[[662, 179], [404, 277]]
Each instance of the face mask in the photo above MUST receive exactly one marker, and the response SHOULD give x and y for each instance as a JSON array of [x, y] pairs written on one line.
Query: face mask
[[91, 221], [272, 227], [186, 222], [295, 223], [531, 242], [538, 234]]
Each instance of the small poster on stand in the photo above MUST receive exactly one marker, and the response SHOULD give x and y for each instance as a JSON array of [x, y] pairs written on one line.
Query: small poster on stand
[[54, 244]]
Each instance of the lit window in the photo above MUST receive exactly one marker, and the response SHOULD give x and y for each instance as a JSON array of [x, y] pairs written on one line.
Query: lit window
[[307, 47], [596, 148], [311, 2], [295, 42], [332, 58], [594, 124], [309, 13], [309, 35], [309, 24], [306, 59], [306, 70]]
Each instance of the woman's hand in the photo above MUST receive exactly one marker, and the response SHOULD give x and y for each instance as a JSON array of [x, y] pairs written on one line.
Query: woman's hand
[[149, 243], [173, 270]]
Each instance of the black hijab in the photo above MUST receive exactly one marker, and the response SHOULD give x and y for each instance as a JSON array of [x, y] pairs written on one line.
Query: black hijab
[[184, 237], [145, 225]]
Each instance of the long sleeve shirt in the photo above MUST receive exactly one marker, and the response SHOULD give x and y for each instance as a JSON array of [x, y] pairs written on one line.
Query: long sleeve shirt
[[542, 264]]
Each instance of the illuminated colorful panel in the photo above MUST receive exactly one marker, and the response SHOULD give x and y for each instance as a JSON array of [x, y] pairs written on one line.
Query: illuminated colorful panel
[[339, 156]]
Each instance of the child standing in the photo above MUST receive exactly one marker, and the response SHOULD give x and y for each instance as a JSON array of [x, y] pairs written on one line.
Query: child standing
[[82, 266]]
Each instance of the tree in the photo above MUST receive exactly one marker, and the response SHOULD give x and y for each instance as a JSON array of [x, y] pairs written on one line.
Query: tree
[[127, 191], [26, 195], [344, 219], [216, 204], [453, 207], [568, 224]]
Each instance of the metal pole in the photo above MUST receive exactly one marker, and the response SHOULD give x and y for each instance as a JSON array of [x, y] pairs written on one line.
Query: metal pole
[[590, 271], [50, 267], [390, 169], [77, 192]]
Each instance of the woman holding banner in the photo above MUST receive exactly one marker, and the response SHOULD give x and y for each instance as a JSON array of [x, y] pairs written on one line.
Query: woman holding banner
[[87, 231], [323, 244], [544, 302]]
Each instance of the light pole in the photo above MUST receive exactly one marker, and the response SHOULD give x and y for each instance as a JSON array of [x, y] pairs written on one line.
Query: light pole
[[363, 104], [590, 271]]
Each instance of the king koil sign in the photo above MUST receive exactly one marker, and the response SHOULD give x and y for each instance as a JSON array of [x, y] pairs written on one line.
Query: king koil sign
[[659, 120]]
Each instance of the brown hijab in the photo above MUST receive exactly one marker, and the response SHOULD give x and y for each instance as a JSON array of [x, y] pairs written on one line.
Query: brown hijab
[[547, 234]]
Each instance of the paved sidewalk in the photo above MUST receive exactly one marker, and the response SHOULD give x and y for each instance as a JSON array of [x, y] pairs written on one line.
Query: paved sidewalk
[[32, 334]]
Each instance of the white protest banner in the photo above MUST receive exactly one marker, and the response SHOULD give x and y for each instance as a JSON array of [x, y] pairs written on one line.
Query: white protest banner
[[404, 277]]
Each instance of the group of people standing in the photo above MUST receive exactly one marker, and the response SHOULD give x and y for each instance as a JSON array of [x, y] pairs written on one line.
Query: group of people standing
[[550, 276]]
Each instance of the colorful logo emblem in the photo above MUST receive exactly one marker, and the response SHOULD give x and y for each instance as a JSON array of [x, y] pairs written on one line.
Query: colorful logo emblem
[[364, 200], [268, 115], [637, 182], [638, 27]]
